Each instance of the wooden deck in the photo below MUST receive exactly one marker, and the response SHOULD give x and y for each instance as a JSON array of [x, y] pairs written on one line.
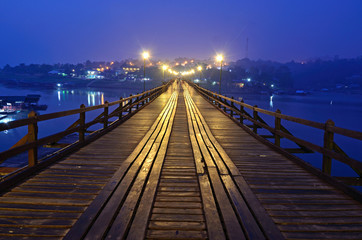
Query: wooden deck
[[178, 169]]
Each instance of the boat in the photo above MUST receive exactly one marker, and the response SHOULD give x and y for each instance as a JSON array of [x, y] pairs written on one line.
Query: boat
[[7, 111], [14, 104]]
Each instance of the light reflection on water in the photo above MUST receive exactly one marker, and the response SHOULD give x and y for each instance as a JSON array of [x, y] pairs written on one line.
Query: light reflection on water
[[57, 100]]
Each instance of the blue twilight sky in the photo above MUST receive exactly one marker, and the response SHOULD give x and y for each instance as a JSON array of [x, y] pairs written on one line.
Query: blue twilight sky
[[48, 31]]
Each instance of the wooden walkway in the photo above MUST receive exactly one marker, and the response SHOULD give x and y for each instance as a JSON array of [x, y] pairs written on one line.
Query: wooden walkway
[[178, 169]]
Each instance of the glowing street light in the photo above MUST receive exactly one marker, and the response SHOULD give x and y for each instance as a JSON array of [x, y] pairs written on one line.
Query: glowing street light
[[164, 68], [220, 58], [199, 68], [145, 55]]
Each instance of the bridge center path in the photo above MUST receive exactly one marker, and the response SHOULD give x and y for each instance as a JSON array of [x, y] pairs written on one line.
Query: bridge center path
[[178, 211]]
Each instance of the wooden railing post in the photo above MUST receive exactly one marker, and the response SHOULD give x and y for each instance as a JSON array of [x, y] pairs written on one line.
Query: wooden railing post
[[105, 115], [130, 103], [328, 144], [121, 108], [137, 99], [33, 137], [241, 111], [143, 99], [255, 117], [232, 107], [82, 124], [225, 102], [277, 128]]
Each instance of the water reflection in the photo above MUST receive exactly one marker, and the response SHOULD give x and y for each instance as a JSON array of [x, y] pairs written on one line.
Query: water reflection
[[271, 102], [93, 97]]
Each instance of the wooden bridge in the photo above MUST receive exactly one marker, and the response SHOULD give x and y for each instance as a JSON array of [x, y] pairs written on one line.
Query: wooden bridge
[[189, 165]]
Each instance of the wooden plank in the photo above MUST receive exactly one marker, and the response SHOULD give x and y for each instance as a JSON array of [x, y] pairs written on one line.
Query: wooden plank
[[43, 201], [38, 215], [139, 224], [187, 211], [323, 235], [178, 217], [318, 220], [35, 223], [214, 226], [158, 225], [172, 234]]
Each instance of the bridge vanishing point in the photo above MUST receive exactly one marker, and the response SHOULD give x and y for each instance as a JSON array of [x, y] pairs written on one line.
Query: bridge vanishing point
[[177, 162]]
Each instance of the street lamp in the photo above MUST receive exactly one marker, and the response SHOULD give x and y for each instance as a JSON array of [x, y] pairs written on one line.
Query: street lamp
[[164, 68], [220, 58], [199, 68], [145, 56]]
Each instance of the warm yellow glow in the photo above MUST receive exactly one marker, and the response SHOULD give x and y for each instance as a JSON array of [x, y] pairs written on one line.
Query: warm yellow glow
[[145, 55], [164, 67], [112, 63], [219, 58], [192, 71], [199, 68]]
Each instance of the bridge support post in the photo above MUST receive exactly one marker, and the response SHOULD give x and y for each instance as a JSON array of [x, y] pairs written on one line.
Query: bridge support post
[[328, 144], [33, 137], [277, 128], [105, 115], [255, 117], [82, 124], [241, 112]]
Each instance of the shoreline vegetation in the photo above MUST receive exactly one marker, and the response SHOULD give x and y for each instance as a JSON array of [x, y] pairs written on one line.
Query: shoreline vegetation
[[242, 76]]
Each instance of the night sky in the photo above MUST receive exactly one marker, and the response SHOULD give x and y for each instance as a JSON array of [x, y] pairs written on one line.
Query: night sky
[[47, 31]]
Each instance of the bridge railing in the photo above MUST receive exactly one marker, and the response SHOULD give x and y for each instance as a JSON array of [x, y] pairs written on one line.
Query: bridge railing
[[122, 110], [330, 150]]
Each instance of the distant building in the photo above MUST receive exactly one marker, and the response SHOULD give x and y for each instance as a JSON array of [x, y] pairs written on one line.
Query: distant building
[[58, 72], [131, 69], [93, 74]]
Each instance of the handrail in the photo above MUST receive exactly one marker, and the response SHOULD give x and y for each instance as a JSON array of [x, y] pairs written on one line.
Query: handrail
[[330, 150], [49, 116], [334, 129], [30, 142]]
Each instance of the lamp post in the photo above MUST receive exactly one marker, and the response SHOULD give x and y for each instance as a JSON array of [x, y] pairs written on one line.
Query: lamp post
[[145, 56], [220, 58], [199, 68], [164, 68]]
